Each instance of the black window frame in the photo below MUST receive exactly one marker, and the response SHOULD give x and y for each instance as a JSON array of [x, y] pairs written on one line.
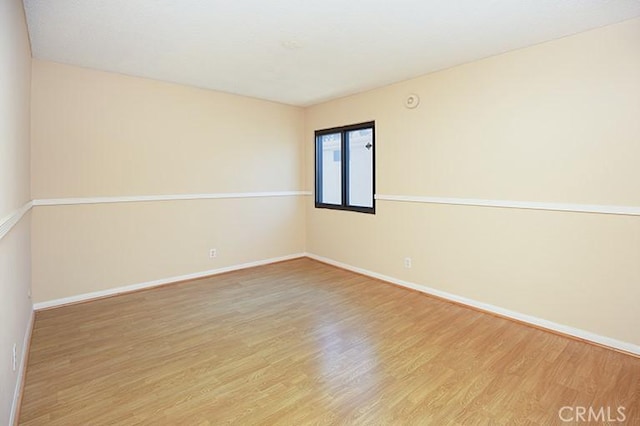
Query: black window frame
[[344, 205]]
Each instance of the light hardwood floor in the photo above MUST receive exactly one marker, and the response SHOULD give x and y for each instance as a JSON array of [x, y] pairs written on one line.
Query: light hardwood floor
[[299, 343]]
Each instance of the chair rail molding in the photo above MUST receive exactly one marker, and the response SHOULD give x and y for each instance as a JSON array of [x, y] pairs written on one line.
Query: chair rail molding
[[9, 221], [170, 197], [530, 205]]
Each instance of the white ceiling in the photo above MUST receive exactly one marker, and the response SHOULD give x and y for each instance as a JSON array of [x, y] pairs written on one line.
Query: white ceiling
[[299, 52]]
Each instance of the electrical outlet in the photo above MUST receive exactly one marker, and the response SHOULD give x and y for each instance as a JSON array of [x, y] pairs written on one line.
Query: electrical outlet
[[14, 358], [213, 253], [407, 262], [29, 293]]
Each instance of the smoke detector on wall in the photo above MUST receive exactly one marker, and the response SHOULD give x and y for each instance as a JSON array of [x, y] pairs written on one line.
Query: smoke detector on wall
[[412, 101]]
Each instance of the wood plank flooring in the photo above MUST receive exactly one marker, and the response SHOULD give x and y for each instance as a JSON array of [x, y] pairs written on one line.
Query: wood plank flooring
[[299, 343]]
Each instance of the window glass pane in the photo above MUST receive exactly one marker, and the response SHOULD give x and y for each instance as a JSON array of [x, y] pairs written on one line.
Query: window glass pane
[[331, 151], [360, 145]]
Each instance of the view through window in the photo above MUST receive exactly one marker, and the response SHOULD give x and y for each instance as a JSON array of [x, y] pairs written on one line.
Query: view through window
[[345, 168]]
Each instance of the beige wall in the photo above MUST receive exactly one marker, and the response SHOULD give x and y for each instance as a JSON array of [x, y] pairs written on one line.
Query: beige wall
[[98, 134], [553, 123], [15, 307], [558, 123]]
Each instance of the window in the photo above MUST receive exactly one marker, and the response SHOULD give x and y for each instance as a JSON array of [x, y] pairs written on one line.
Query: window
[[345, 168]]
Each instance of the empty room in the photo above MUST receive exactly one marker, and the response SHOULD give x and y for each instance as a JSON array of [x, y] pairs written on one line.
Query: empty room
[[319, 212]]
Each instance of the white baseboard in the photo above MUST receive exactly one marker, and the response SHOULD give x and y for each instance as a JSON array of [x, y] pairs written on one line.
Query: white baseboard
[[150, 284], [538, 322], [17, 393]]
